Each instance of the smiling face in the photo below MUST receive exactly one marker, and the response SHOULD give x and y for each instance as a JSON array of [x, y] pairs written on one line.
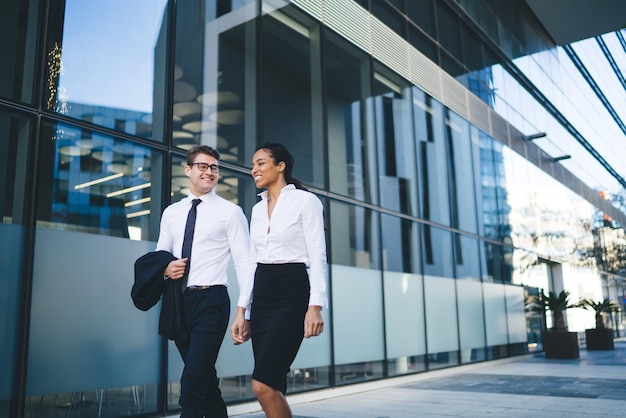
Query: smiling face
[[265, 171], [201, 182]]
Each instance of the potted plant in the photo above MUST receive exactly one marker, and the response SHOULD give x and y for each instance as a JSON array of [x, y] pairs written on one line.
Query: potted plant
[[558, 342], [600, 337]]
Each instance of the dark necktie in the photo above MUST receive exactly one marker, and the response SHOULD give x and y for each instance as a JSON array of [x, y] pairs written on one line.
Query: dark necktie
[[188, 240]]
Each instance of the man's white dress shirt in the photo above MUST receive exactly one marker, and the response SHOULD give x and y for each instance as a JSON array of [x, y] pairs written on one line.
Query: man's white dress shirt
[[221, 233]]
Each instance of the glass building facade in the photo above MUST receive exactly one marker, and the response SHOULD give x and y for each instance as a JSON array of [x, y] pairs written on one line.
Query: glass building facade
[[465, 161]]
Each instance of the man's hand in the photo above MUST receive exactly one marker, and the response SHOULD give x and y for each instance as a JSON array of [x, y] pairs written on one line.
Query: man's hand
[[176, 269]]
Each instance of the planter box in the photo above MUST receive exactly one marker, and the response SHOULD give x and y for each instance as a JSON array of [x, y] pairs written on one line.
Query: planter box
[[560, 344], [599, 339]]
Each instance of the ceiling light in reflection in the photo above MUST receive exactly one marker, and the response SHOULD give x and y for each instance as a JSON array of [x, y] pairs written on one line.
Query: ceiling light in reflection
[[73, 151], [183, 91], [178, 72], [184, 191], [103, 156], [213, 98], [186, 145], [181, 181], [129, 189], [181, 134], [147, 119], [125, 149], [227, 117], [89, 143], [120, 168], [187, 108], [228, 157], [98, 181], [199, 126], [233, 181], [136, 202], [178, 169], [137, 214]]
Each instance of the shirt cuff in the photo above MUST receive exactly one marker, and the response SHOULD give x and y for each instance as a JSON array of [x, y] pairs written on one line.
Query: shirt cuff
[[318, 299]]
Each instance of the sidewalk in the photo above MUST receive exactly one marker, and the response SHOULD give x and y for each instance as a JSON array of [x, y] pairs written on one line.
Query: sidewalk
[[526, 386]]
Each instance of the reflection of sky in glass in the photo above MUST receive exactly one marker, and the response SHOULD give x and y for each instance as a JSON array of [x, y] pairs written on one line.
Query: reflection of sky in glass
[[108, 52], [562, 84], [542, 209]]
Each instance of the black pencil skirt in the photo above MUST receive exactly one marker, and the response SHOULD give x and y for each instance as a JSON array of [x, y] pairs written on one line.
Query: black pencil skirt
[[279, 303]]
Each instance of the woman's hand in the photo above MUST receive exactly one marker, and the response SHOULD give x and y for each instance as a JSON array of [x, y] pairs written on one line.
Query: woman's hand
[[240, 331], [313, 322]]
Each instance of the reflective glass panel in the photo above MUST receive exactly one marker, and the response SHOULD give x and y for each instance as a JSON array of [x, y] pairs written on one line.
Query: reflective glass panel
[[468, 261], [394, 138], [432, 157], [215, 77], [20, 30], [354, 236], [15, 167], [400, 244], [351, 152], [461, 181], [105, 63], [404, 322], [437, 251], [96, 184], [471, 320], [291, 93]]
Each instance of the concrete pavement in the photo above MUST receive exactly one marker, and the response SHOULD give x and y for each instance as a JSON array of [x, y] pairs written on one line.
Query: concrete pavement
[[525, 386]]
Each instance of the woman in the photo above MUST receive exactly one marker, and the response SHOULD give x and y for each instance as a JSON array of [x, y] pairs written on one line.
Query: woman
[[288, 255]]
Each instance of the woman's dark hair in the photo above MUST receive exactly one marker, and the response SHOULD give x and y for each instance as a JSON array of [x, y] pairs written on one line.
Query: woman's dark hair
[[279, 153]]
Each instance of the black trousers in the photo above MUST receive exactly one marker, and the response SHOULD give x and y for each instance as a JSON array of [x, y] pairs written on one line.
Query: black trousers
[[205, 314]]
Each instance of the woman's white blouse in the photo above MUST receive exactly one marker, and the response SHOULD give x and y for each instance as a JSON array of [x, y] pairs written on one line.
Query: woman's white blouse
[[294, 234]]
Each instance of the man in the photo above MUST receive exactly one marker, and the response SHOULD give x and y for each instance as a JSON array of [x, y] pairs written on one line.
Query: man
[[220, 232]]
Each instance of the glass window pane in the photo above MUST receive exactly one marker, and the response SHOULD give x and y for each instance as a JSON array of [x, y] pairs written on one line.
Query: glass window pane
[[96, 184], [87, 341], [471, 320], [422, 13], [432, 157], [215, 77], [404, 322], [462, 191], [351, 148], [468, 261], [15, 167], [394, 137], [441, 321], [438, 252], [401, 244], [354, 236], [348, 313], [20, 31], [105, 63], [291, 101]]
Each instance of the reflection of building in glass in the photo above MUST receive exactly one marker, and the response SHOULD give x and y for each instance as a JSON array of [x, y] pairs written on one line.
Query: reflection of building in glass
[[433, 131]]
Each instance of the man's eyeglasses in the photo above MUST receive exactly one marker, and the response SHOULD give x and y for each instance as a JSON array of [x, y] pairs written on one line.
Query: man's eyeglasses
[[204, 167]]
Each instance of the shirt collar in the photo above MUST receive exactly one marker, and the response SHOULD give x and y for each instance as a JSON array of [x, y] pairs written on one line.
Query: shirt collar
[[263, 194], [204, 197]]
